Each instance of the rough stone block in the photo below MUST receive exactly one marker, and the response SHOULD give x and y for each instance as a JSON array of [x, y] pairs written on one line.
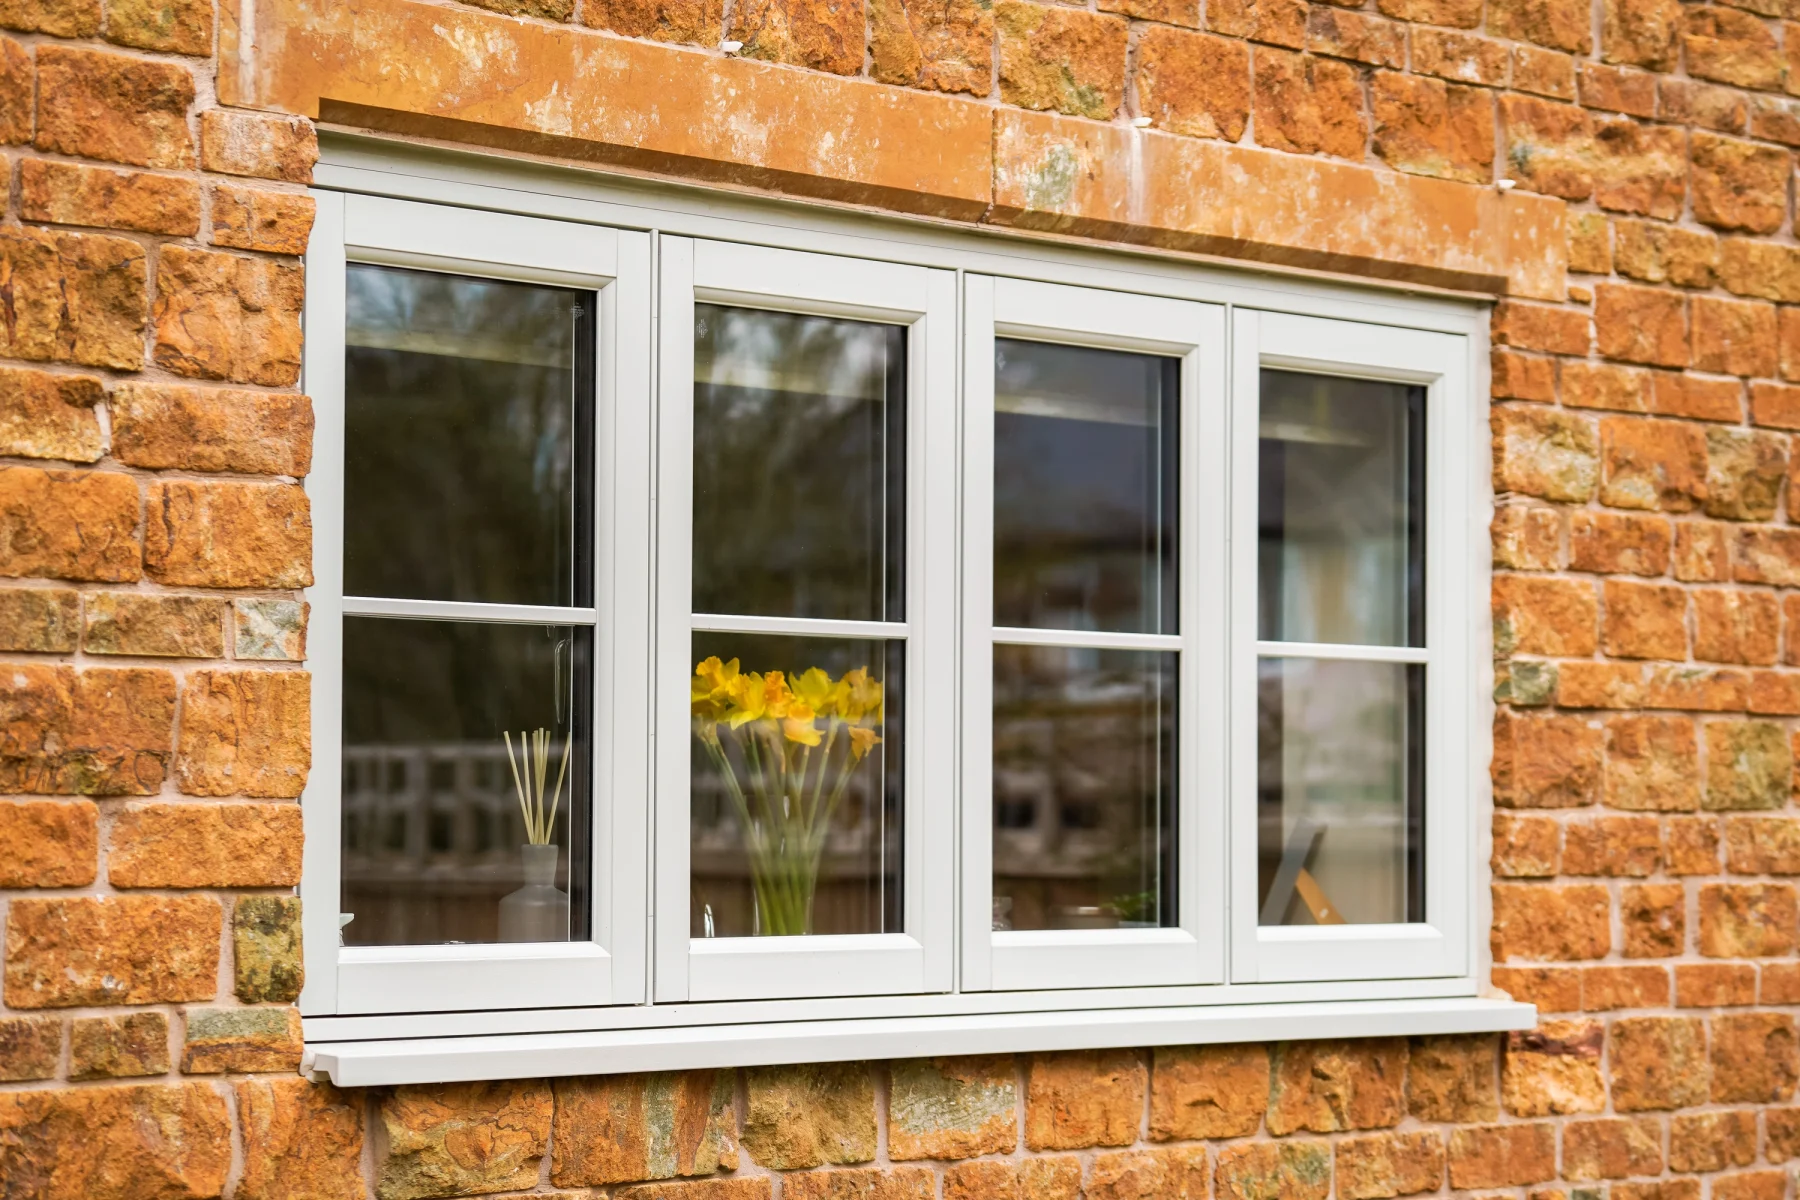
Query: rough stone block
[[1657, 1063], [131, 1044], [265, 946], [92, 950], [218, 1040], [47, 843], [49, 416], [245, 733], [202, 533], [164, 426], [302, 1141], [262, 145], [940, 45], [948, 1108], [30, 1048], [460, 1139], [61, 193], [1291, 1170], [132, 1140], [272, 630], [98, 732], [807, 1116], [224, 316], [1554, 1069], [1193, 83], [1208, 1091], [627, 1128], [154, 624], [1084, 1098], [205, 845], [76, 297], [1502, 1155], [1654, 917], [114, 107], [1058, 59], [255, 219]]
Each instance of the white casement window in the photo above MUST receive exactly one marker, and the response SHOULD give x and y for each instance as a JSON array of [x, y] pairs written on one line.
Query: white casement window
[[748, 634]]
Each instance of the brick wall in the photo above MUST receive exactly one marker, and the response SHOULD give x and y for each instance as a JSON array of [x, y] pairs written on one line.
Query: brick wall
[[153, 538]]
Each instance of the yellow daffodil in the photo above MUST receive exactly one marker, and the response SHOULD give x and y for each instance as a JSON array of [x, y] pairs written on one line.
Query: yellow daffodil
[[800, 729], [709, 694], [749, 700], [861, 742], [814, 687]]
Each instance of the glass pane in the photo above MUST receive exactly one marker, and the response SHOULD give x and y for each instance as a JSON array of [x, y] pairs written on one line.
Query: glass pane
[[1340, 792], [1085, 469], [1084, 788], [436, 843], [466, 409], [1342, 520], [796, 788], [799, 465]]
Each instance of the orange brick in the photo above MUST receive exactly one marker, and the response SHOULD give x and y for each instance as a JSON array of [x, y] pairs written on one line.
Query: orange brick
[[1617, 544], [1527, 538], [1767, 555], [1649, 464], [1612, 846], [1780, 985], [1641, 325], [1600, 385], [1775, 692], [1356, 36], [1644, 620], [1554, 1069], [1309, 105], [1739, 185], [1639, 168], [1612, 1148], [1787, 323], [1776, 405], [1525, 847], [1708, 689], [1745, 473], [1692, 846], [1607, 989], [1462, 57], [1714, 985], [1712, 1141], [1734, 337], [1515, 376], [1754, 1057], [1654, 916], [1747, 920], [1698, 397], [1652, 764], [1550, 923], [1702, 552], [1540, 327], [1543, 73], [1552, 989], [1657, 1063], [1616, 89], [1735, 626], [1502, 1155], [1544, 616], [1599, 685]]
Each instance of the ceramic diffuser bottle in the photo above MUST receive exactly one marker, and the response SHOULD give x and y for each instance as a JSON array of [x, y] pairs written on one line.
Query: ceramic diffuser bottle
[[539, 911]]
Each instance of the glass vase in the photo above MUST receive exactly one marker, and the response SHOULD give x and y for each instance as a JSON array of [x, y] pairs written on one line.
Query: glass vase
[[539, 911]]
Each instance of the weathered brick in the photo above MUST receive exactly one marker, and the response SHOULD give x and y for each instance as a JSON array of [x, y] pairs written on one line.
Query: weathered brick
[[1766, 555], [1691, 846], [1704, 399], [245, 733], [1775, 404], [1559, 24], [114, 107], [218, 1040], [1521, 377], [1502, 1155], [1751, 1185], [805, 1116], [1755, 1058], [1607, 989], [1712, 1141], [1546, 762], [1276, 22], [226, 534], [1612, 1148], [1749, 765], [1337, 33], [40, 620], [1702, 552], [91, 950], [1463, 14], [68, 525], [1453, 1078], [1461, 57], [1207, 1091], [1747, 920], [1639, 168], [49, 416], [1544, 452], [1604, 386], [747, 1187], [1548, 147], [154, 624], [1654, 919], [941, 45], [134, 1140], [1762, 845], [952, 1107], [205, 845], [265, 949], [1709, 689], [1525, 847], [99, 732], [1657, 253], [1641, 325], [1644, 620], [175, 26], [47, 843], [1390, 1164], [1326, 1086], [1652, 764], [254, 219], [1540, 327], [1763, 269], [458, 1139], [818, 34], [1291, 1170], [1783, 1126], [1734, 337], [273, 630], [1774, 693], [1628, 846], [1590, 245], [1544, 616], [1084, 1098], [224, 316], [1640, 32], [1551, 989], [1174, 1173], [1525, 683], [1732, 47], [1652, 464], [1543, 73], [18, 78], [259, 144], [61, 193], [1613, 544], [1780, 985], [1192, 83], [1705, 105], [1550, 923], [121, 1047], [1308, 105], [1554, 1069], [1527, 538], [60, 18], [1059, 59], [76, 297], [1616, 89], [1426, 127], [1657, 1063], [164, 426], [1736, 626], [1714, 985], [1738, 184], [1788, 342], [30, 1048], [301, 1139], [1775, 119], [904, 1183], [1048, 1177]]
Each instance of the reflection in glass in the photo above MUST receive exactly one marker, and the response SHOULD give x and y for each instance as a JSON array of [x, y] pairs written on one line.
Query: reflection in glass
[[1342, 511], [796, 789], [433, 834], [1340, 792], [1084, 788], [1085, 452], [466, 409], [799, 463]]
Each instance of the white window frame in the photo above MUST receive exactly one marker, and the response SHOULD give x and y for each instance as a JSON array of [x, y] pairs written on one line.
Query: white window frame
[[915, 958], [392, 1026], [609, 968], [1193, 950], [1438, 945]]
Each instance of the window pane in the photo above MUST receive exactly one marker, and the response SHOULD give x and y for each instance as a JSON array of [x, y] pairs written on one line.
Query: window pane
[[1085, 454], [436, 848], [1340, 792], [1084, 788], [799, 465], [796, 785], [1342, 517], [467, 419]]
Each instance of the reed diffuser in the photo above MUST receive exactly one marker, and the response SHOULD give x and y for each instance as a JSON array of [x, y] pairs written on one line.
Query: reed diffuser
[[539, 911]]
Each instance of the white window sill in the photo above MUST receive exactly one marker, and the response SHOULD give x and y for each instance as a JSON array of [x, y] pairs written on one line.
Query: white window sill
[[606, 1052]]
